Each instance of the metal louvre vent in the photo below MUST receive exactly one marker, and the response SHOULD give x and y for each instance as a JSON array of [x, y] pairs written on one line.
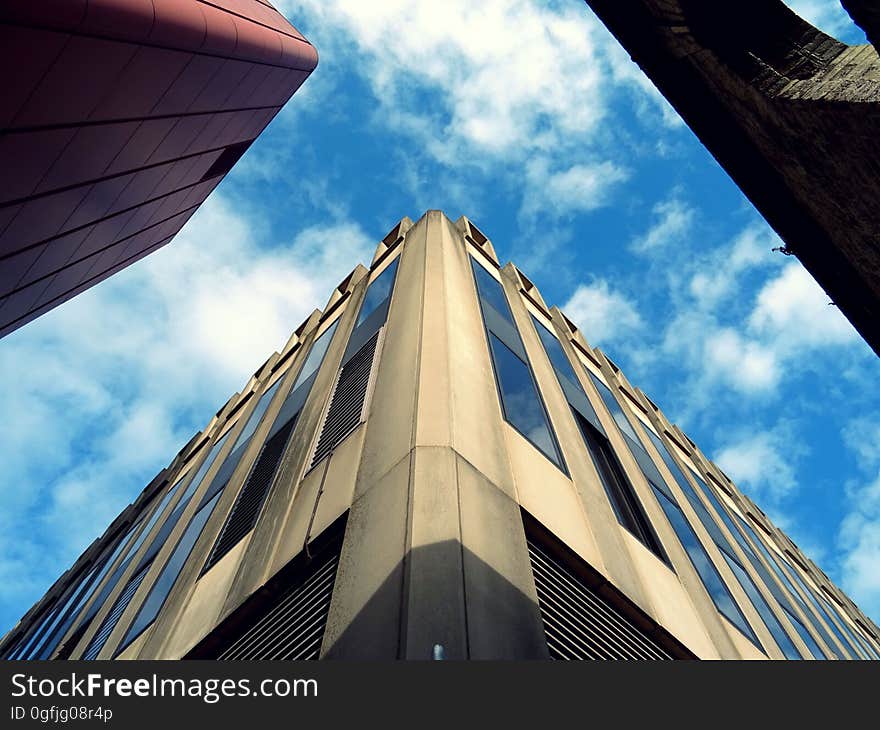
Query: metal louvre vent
[[578, 623], [250, 499], [109, 623], [347, 403], [293, 627]]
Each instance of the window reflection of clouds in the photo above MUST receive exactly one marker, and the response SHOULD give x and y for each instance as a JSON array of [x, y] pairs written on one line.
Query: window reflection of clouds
[[708, 573], [378, 291], [520, 400], [491, 292], [614, 407]]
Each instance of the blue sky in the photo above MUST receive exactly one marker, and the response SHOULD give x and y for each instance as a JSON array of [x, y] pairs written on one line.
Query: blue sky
[[527, 117]]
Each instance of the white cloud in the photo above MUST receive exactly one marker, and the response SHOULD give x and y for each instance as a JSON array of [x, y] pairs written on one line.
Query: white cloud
[[499, 69], [859, 534], [120, 377], [516, 88], [726, 333], [859, 541], [862, 438], [716, 280], [673, 225], [794, 313], [749, 366], [602, 314], [579, 188], [762, 462]]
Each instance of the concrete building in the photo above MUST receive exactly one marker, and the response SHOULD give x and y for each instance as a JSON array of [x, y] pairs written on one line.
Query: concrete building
[[117, 119], [439, 464], [790, 113]]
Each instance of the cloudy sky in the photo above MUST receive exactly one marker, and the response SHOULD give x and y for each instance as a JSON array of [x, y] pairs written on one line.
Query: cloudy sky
[[529, 118]]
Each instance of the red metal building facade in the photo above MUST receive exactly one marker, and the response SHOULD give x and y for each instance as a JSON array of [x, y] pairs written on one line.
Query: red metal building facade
[[117, 120]]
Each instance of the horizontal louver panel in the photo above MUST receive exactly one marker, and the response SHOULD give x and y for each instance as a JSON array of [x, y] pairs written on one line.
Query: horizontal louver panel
[[578, 623], [347, 404], [116, 612], [293, 627], [249, 502]]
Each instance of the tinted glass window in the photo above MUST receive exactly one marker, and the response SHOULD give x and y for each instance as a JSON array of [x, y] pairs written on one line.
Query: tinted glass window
[[316, 355], [761, 605], [805, 635], [614, 408], [203, 469], [786, 581], [167, 578], [853, 642], [84, 592], [51, 619], [378, 291], [520, 400], [618, 488], [154, 518], [820, 610], [668, 460], [491, 292], [136, 545], [257, 415], [715, 587], [770, 620], [555, 353]]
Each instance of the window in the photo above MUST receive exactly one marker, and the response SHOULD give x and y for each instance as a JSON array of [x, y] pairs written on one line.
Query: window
[[168, 577], [715, 587], [316, 355], [520, 401], [781, 597], [748, 585], [558, 359], [858, 650], [249, 502], [614, 408], [80, 597], [224, 473], [378, 291], [820, 611], [162, 534], [132, 551], [620, 492], [786, 581], [767, 616], [256, 416], [491, 292]]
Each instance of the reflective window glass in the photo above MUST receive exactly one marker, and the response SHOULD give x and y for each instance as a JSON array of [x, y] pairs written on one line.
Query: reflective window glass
[[316, 355], [168, 577], [491, 291], [378, 291], [520, 400], [715, 587], [614, 408]]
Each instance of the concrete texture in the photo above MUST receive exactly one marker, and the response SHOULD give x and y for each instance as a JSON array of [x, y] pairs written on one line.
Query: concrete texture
[[432, 498]]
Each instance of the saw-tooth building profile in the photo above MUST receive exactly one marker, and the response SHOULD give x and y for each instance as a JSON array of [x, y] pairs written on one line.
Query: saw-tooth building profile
[[439, 464], [117, 119]]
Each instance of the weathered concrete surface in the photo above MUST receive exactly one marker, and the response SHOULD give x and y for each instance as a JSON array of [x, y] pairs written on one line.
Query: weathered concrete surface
[[790, 113]]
